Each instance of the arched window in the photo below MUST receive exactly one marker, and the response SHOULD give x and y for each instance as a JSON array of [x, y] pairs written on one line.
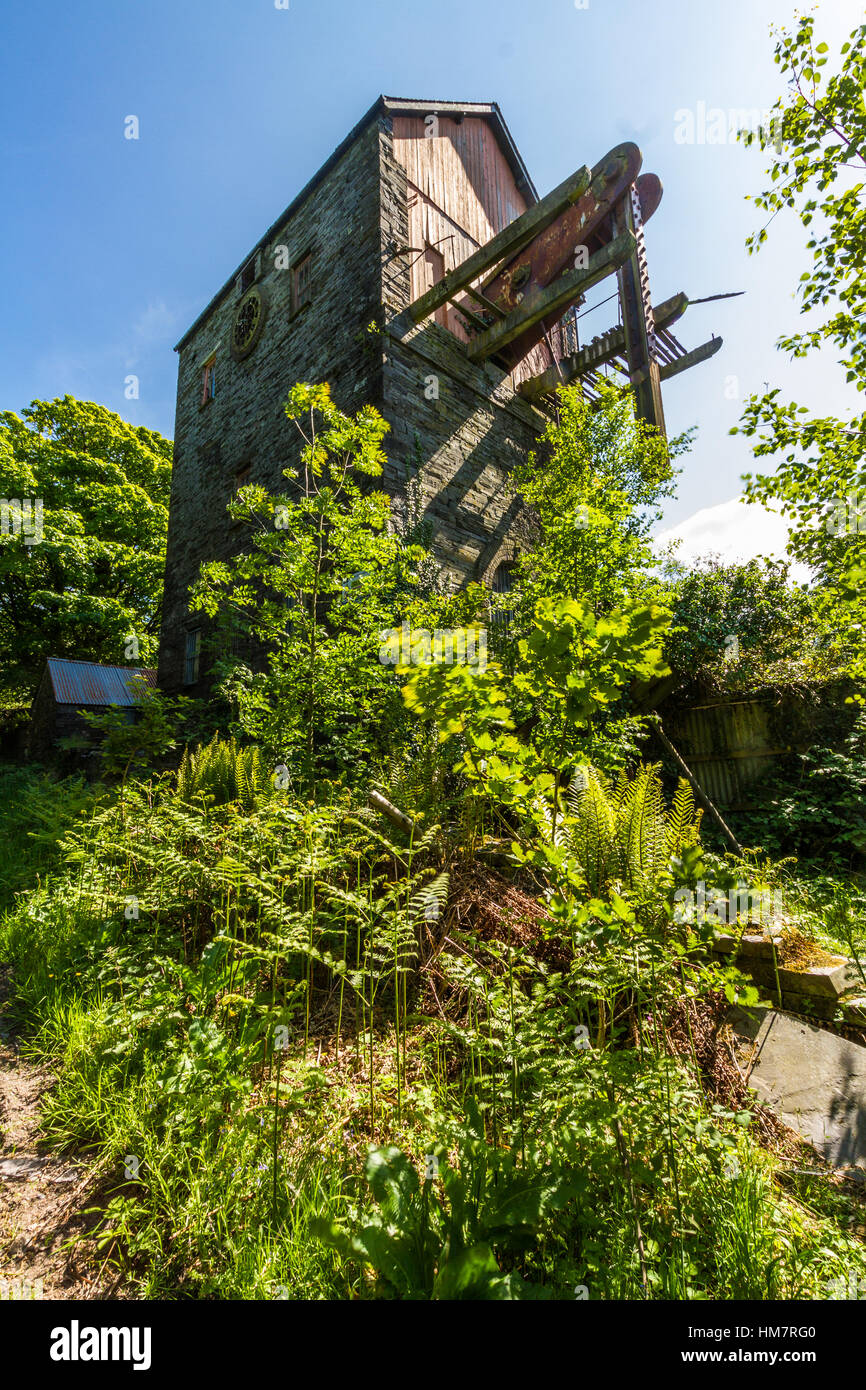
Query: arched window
[[503, 578]]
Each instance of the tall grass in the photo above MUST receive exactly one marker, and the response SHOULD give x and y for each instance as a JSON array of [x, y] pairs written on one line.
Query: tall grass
[[193, 971]]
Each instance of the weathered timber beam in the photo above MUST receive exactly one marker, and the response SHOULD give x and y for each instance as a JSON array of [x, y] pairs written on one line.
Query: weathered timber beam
[[485, 302], [636, 309], [691, 359], [508, 242], [596, 353], [554, 299], [700, 795], [476, 321]]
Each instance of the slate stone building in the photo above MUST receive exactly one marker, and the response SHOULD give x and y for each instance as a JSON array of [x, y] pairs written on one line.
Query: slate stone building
[[411, 193], [391, 211]]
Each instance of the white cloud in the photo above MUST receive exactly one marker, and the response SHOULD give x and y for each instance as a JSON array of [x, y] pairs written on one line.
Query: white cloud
[[155, 323], [735, 531]]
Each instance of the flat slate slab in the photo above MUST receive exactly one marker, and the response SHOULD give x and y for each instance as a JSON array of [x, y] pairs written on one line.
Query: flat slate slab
[[813, 1079]]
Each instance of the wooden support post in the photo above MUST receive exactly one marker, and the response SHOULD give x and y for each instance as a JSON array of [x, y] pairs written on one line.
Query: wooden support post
[[643, 369], [700, 795], [552, 300]]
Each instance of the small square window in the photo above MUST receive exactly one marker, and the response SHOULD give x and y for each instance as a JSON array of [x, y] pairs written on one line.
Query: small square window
[[192, 656], [208, 380], [302, 283], [248, 275]]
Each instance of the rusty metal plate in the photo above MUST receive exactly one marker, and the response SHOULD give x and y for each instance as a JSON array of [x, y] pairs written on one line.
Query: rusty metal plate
[[553, 251]]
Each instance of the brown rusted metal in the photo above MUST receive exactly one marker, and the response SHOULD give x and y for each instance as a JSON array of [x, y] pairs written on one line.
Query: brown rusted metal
[[553, 252], [544, 305], [87, 683]]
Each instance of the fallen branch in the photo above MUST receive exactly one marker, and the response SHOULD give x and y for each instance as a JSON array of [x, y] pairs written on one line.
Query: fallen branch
[[700, 795], [390, 811]]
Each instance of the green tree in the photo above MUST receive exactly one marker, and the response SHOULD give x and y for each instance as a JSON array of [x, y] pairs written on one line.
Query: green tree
[[818, 130], [594, 487], [134, 737], [84, 500], [572, 666], [320, 581], [740, 625]]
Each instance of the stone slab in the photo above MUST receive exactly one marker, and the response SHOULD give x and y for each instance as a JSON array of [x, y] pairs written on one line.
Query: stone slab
[[812, 1078]]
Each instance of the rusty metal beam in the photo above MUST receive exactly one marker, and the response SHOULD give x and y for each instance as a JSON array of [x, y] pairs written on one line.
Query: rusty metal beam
[[555, 299], [508, 242]]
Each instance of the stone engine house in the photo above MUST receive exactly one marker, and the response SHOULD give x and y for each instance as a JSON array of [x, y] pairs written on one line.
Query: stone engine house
[[413, 192]]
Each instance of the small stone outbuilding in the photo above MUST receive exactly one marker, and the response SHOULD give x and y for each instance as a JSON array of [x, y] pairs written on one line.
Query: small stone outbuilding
[[67, 688]]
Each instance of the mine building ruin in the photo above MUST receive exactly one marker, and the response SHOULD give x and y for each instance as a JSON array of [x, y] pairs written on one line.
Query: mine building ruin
[[425, 222]]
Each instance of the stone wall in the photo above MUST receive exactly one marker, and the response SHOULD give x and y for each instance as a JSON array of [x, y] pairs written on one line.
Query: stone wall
[[244, 424]]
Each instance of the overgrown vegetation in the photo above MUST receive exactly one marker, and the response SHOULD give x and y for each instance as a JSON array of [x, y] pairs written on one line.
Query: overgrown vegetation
[[454, 1039], [315, 1054]]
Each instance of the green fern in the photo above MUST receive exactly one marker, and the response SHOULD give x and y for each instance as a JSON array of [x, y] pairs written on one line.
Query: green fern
[[625, 834], [220, 772]]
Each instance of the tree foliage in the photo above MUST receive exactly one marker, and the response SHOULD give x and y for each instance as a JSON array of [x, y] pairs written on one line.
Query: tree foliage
[[819, 133], [320, 580], [92, 581], [594, 486], [739, 626]]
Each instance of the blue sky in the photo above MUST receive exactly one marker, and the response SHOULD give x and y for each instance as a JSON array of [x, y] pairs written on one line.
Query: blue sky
[[111, 246]]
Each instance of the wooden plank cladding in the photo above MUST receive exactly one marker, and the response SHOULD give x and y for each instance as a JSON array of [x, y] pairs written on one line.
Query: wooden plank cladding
[[461, 193], [460, 171]]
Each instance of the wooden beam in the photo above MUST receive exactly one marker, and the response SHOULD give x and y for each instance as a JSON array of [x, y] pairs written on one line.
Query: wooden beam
[[475, 320], [554, 299], [485, 302], [599, 351], [636, 308], [700, 795], [691, 359], [506, 243]]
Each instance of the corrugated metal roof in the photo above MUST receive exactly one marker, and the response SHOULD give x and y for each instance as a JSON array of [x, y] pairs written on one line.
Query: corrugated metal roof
[[88, 683]]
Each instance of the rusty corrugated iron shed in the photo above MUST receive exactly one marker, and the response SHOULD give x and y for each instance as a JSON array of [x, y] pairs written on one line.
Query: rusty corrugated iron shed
[[87, 683]]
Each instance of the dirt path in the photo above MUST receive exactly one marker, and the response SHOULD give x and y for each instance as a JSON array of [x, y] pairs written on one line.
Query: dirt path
[[41, 1197]]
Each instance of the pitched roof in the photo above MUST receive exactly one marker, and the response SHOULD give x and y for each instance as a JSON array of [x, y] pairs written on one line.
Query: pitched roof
[[487, 110], [88, 683]]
